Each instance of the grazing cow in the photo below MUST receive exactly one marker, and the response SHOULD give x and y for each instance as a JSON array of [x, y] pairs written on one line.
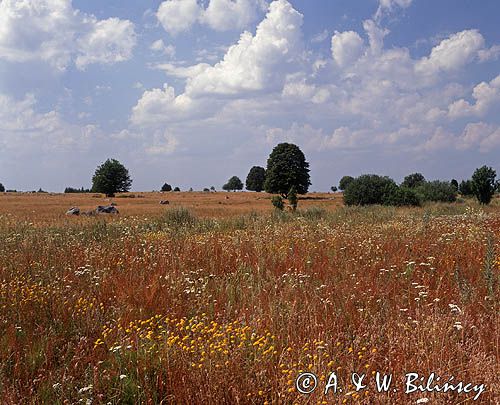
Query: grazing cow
[[164, 202]]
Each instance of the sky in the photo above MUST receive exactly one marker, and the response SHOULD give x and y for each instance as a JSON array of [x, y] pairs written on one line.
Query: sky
[[192, 92]]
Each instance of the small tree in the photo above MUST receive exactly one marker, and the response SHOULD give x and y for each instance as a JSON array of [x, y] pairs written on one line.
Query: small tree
[[277, 202], [206, 190], [334, 189], [465, 188], [2, 188], [483, 184], [344, 182], [212, 188], [111, 177], [413, 180], [292, 198], [287, 167], [233, 184], [255, 179], [177, 189], [166, 187], [454, 183]]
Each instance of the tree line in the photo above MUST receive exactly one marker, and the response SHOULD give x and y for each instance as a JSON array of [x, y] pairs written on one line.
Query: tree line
[[287, 176]]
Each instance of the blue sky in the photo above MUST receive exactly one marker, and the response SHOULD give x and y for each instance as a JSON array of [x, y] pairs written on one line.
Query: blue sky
[[193, 92]]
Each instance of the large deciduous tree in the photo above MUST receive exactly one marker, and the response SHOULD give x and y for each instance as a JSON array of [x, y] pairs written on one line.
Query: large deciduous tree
[[111, 177], [286, 168]]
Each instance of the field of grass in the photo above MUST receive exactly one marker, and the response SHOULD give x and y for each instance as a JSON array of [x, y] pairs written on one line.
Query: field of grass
[[212, 300]]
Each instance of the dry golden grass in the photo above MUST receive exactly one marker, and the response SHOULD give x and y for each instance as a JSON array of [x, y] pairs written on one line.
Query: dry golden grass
[[47, 208], [228, 303]]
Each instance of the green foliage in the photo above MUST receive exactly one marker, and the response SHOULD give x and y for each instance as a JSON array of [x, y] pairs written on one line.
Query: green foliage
[[292, 198], [402, 196], [233, 184], [413, 180], [370, 189], [69, 190], [454, 183], [436, 191], [111, 177], [345, 181], [166, 187], [255, 179], [287, 167], [277, 202], [2, 188], [483, 184], [465, 188]]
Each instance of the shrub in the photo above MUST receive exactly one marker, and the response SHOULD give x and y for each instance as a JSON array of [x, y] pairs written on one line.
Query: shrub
[[177, 189], [334, 189], [437, 191], [402, 196], [166, 187], [292, 198], [2, 188], [454, 183], [277, 202], [369, 189]]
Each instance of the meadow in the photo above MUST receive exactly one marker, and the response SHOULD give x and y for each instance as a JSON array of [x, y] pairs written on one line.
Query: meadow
[[215, 300]]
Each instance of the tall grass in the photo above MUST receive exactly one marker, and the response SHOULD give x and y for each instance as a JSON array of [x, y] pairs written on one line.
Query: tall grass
[[174, 308]]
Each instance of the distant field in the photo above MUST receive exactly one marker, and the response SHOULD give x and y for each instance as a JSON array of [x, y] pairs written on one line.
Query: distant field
[[223, 301], [49, 207]]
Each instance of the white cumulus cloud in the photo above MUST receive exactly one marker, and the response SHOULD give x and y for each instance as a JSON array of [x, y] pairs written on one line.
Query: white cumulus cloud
[[54, 32]]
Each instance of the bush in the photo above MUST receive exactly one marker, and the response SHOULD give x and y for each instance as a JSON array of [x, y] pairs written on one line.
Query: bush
[[402, 196], [334, 189], [277, 202], [177, 189], [436, 191], [370, 189], [2, 188], [292, 198]]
